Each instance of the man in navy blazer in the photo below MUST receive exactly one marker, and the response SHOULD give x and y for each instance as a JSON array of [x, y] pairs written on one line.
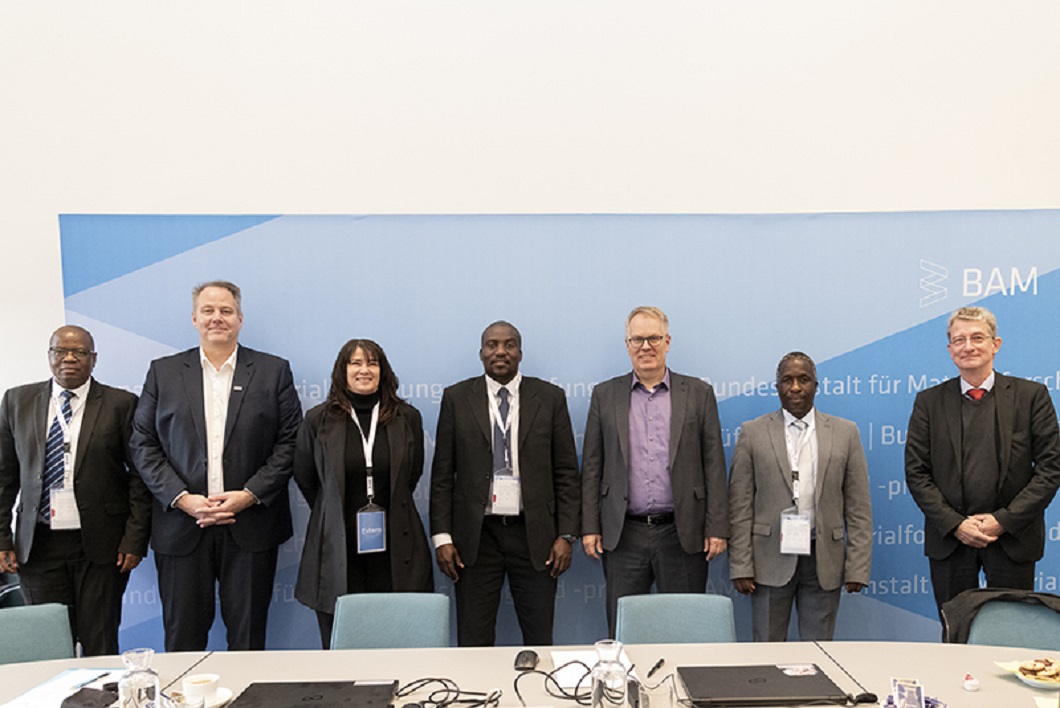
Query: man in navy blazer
[[214, 439], [655, 502], [82, 561], [982, 461]]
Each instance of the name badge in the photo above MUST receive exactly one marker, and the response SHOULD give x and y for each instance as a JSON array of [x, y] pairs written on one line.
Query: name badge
[[795, 531], [506, 494], [64, 509], [371, 529]]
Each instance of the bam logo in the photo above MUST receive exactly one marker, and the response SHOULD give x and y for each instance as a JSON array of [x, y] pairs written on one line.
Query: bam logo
[[995, 282], [929, 283]]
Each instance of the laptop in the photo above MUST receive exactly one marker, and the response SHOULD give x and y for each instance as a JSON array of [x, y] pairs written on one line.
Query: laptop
[[319, 694], [759, 685]]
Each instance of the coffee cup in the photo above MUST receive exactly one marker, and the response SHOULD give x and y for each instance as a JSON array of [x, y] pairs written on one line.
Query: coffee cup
[[204, 685]]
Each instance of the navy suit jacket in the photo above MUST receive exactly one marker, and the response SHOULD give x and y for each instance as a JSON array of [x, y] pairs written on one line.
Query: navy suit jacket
[[169, 446]]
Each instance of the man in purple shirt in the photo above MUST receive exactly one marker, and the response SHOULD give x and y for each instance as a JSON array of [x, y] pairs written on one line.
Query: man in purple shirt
[[654, 493]]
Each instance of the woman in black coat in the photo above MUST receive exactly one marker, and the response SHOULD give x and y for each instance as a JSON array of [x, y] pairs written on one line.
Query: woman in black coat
[[334, 442]]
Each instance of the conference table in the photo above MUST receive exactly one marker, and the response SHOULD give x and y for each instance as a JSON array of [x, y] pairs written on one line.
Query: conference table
[[940, 668]]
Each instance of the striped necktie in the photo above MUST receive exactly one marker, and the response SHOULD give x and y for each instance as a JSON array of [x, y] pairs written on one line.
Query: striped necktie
[[53, 457]]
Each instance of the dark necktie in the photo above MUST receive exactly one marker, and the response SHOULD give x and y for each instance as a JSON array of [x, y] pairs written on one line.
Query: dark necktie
[[976, 394], [499, 438], [53, 457]]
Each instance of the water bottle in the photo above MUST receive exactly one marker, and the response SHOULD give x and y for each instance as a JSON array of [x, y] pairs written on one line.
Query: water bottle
[[139, 686], [609, 676]]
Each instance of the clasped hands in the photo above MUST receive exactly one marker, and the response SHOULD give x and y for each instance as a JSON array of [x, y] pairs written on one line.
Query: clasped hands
[[979, 530], [216, 509]]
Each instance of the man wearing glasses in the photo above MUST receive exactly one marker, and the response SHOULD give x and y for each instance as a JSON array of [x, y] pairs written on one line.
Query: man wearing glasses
[[84, 517], [655, 505], [982, 461]]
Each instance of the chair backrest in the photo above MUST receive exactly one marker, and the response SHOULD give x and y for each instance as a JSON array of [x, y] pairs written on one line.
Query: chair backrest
[[1016, 624], [391, 620], [35, 633], [675, 619], [10, 591]]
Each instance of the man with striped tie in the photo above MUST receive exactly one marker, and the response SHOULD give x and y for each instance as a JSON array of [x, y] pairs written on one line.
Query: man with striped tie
[[982, 461], [84, 514]]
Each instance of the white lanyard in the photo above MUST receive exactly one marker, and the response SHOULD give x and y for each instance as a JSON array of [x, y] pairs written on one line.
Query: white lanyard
[[505, 427], [793, 457], [368, 444], [68, 453]]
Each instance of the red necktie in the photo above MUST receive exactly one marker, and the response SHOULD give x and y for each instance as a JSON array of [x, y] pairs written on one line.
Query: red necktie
[[976, 394]]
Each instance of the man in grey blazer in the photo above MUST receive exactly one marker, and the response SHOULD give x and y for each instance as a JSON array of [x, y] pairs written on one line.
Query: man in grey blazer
[[798, 470], [84, 514], [982, 461], [655, 505]]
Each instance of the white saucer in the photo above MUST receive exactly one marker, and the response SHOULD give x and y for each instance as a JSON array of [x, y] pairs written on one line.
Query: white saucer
[[221, 698]]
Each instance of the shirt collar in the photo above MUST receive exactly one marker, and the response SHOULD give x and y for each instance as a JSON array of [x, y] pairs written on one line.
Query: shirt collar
[[665, 383], [987, 385], [230, 362], [81, 392], [789, 418], [513, 386]]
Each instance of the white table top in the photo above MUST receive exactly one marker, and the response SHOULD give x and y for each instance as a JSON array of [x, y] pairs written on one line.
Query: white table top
[[939, 667]]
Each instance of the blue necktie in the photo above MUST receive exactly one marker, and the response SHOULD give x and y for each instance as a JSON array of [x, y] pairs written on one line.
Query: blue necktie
[[53, 457], [500, 442]]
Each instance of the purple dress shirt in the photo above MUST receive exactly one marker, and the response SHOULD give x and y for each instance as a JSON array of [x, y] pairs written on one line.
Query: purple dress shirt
[[650, 491]]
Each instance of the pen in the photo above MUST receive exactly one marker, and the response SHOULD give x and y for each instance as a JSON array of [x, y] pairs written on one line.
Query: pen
[[91, 680], [658, 665]]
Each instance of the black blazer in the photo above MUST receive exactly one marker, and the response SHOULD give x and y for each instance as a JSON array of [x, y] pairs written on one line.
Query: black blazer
[[320, 471], [463, 467], [169, 446], [1029, 452], [114, 505]]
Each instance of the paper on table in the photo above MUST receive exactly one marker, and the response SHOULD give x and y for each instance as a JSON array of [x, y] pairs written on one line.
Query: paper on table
[[569, 677], [1044, 702], [51, 693]]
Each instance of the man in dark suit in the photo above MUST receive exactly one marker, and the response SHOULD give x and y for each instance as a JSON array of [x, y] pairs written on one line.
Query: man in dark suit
[[214, 439], [655, 503], [799, 473], [83, 519], [505, 495], [982, 461]]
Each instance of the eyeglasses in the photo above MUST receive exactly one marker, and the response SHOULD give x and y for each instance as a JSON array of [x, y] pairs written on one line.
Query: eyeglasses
[[977, 340], [638, 342], [63, 352]]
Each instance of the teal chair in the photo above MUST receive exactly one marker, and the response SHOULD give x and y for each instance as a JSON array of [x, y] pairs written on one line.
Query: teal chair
[[391, 620], [1016, 624], [35, 633], [675, 619]]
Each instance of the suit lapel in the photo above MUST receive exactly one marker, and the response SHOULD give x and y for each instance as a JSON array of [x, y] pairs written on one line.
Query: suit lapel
[[39, 430], [824, 450], [951, 406], [529, 406], [395, 435], [478, 403], [779, 442], [678, 405], [622, 418], [193, 390], [88, 422], [240, 383], [1004, 396]]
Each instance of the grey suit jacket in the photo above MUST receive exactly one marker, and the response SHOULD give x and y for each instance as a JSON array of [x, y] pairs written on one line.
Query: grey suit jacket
[[463, 465], [697, 462], [1029, 464], [760, 488], [113, 503]]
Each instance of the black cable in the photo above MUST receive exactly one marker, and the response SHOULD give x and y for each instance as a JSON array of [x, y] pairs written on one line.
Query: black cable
[[449, 694], [865, 696], [553, 687]]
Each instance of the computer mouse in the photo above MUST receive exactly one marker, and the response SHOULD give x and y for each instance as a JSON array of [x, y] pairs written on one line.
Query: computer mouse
[[866, 697], [526, 660]]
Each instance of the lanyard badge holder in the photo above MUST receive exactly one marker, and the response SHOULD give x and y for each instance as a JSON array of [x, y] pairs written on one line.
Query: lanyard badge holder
[[371, 518], [64, 513], [796, 528], [505, 492]]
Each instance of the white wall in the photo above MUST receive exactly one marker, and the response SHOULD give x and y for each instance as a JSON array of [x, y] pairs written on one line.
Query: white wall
[[338, 106]]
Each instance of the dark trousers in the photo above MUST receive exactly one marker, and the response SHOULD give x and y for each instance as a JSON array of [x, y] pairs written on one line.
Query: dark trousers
[[186, 586], [646, 554], [503, 550], [58, 571], [817, 607], [959, 571]]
